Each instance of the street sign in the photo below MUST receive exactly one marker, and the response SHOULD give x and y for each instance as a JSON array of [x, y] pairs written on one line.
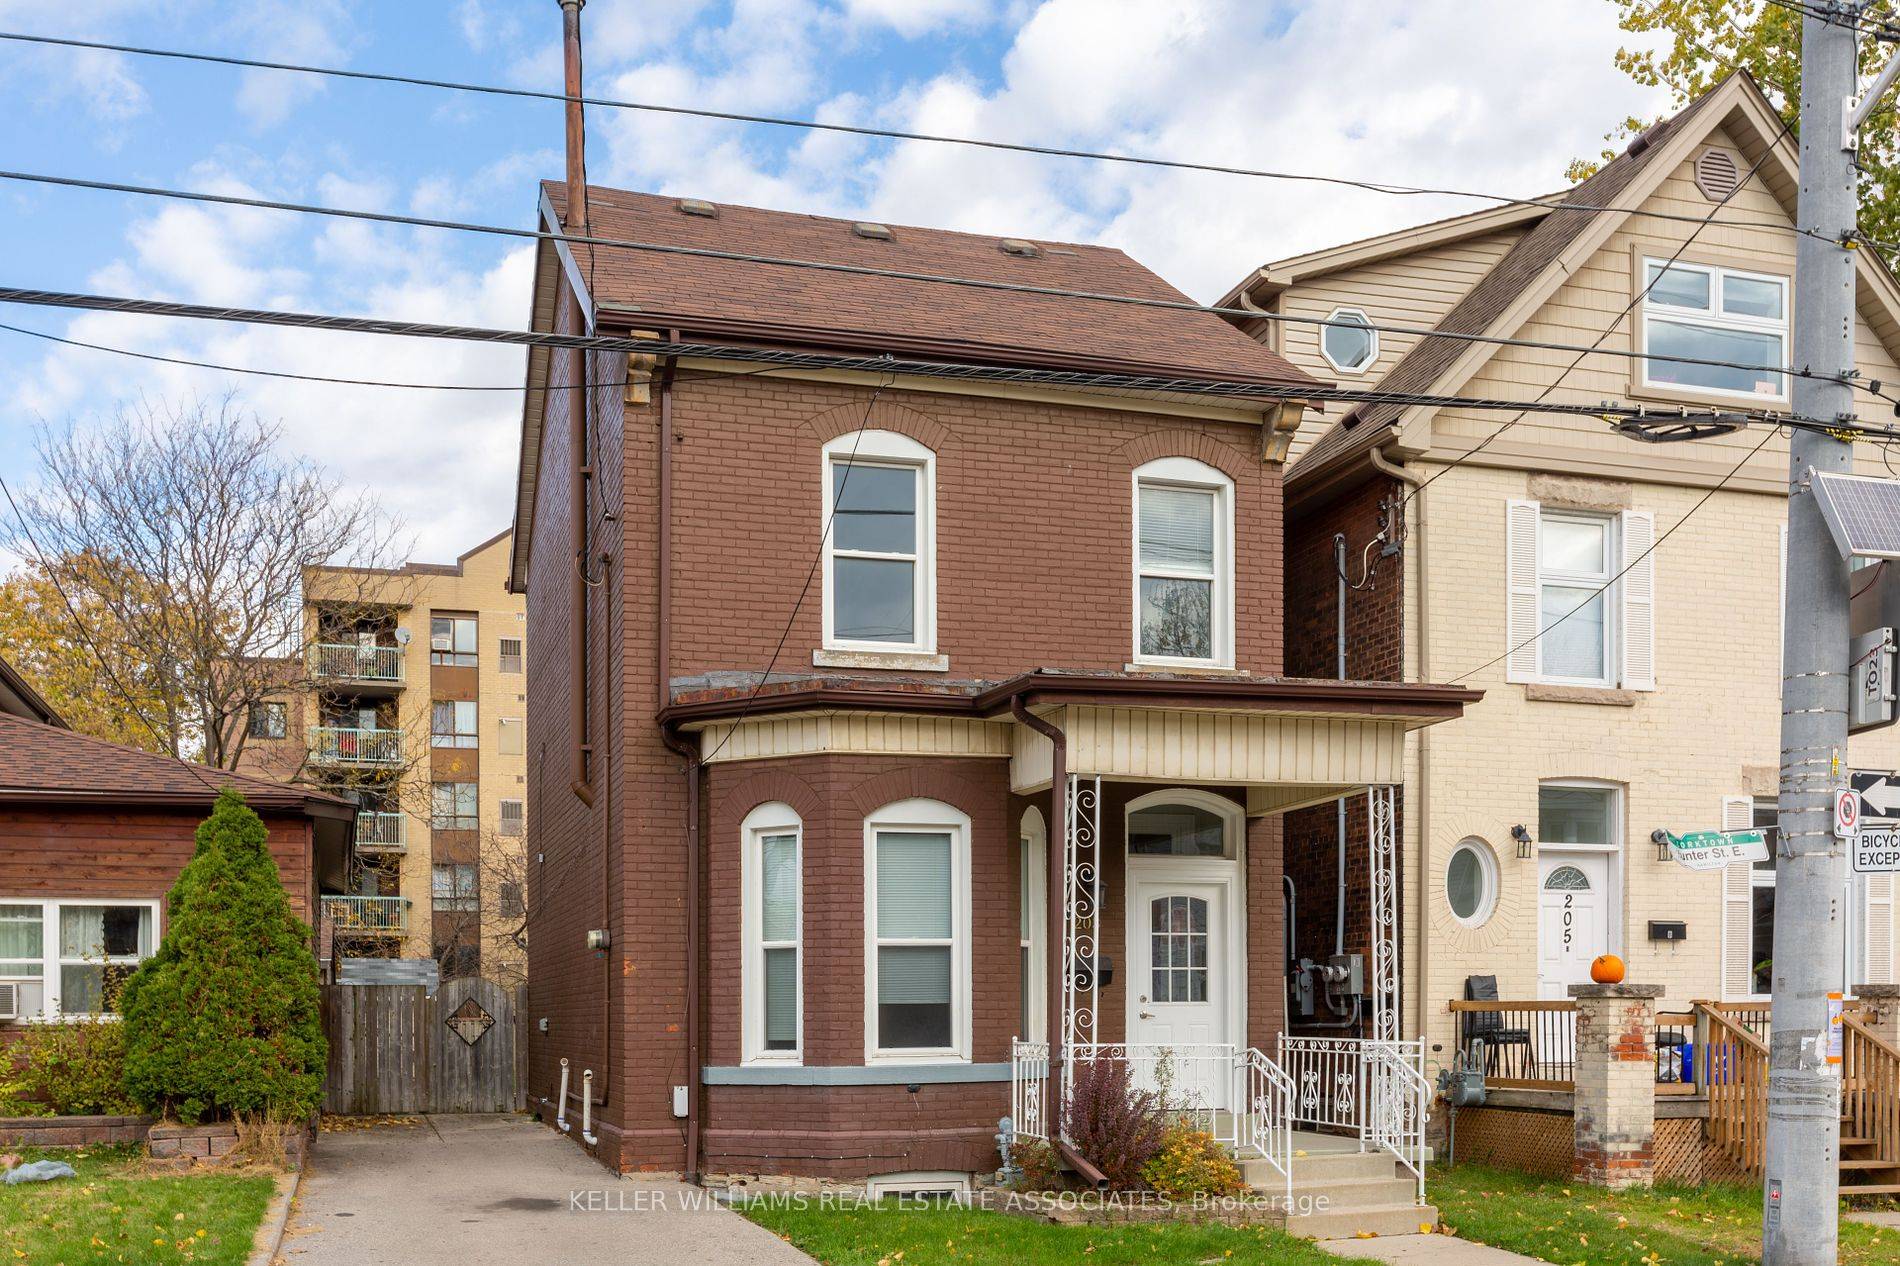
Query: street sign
[[1879, 792], [1875, 849], [1872, 704], [1846, 813], [1712, 850]]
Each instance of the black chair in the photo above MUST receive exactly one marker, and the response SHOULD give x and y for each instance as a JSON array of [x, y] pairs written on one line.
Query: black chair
[[1484, 1034]]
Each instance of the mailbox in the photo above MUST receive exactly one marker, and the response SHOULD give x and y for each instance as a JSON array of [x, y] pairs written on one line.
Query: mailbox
[[1668, 930]]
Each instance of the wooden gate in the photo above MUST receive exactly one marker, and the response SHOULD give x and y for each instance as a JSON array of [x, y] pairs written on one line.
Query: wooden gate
[[395, 1050]]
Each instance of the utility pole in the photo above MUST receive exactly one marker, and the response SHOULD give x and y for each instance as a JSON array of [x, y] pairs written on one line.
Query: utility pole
[[1802, 1176]]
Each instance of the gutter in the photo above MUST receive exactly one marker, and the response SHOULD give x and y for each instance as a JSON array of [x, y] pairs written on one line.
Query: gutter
[[1422, 799]]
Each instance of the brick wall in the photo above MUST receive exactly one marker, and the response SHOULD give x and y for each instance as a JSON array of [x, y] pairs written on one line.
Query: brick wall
[[1034, 543], [1374, 649]]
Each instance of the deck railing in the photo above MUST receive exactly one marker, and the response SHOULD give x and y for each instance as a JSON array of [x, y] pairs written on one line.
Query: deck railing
[[348, 661], [350, 745], [1526, 1044], [379, 831], [1328, 1075], [1731, 1067], [1870, 1091], [383, 916]]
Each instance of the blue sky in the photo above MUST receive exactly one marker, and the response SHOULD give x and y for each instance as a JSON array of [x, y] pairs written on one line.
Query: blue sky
[[1488, 94]]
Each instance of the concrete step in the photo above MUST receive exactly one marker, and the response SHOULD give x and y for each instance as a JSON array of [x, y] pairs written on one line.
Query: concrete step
[[1344, 1224], [1359, 1193], [1871, 1189], [1326, 1167]]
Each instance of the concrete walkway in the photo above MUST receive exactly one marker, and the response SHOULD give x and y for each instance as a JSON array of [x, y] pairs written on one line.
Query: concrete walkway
[[502, 1190], [1426, 1250]]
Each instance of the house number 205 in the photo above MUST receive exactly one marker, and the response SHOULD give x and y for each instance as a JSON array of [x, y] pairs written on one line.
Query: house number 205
[[1569, 918]]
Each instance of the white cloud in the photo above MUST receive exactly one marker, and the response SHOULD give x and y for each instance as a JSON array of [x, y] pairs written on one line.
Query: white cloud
[[911, 18], [307, 31]]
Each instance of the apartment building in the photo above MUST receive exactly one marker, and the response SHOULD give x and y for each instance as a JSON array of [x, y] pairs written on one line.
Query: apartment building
[[412, 700], [1632, 682]]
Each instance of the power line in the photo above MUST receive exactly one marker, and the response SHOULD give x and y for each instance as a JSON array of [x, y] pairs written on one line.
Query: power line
[[859, 270], [1628, 567], [1549, 201], [881, 364]]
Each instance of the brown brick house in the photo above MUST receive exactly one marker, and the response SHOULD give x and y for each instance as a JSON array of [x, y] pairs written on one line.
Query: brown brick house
[[93, 834], [1027, 703]]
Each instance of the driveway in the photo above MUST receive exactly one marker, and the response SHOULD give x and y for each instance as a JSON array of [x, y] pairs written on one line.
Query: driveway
[[472, 1190]]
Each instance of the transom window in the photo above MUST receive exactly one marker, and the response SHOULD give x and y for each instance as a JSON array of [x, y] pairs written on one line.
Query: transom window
[[1177, 949], [1710, 313], [452, 640], [1349, 343], [1183, 564], [1576, 816], [72, 957], [1576, 557], [879, 591], [1177, 830], [919, 930]]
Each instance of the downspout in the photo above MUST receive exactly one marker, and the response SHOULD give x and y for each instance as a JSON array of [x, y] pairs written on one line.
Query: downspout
[[1422, 800], [1058, 855], [1339, 671]]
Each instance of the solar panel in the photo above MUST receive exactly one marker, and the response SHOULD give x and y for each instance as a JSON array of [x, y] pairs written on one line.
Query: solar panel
[[1862, 512]]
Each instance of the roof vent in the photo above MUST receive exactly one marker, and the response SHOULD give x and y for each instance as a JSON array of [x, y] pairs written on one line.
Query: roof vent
[[1016, 246], [881, 232], [1716, 174], [697, 206]]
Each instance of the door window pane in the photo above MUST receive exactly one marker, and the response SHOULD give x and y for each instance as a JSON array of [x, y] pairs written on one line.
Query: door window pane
[[874, 600], [1575, 815], [913, 886], [1177, 949]]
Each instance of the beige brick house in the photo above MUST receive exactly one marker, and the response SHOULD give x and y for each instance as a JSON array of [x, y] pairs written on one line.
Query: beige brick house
[[413, 699], [1656, 706]]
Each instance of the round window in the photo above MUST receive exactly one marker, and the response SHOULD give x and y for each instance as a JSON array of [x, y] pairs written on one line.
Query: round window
[[1471, 882], [1348, 341]]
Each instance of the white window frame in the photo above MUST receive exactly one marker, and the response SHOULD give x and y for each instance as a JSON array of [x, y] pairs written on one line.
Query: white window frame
[[887, 449], [1489, 876], [774, 818], [1033, 927], [514, 825], [1340, 315], [1712, 318], [451, 648], [50, 958], [951, 1183], [503, 656], [1612, 624], [1185, 472], [935, 816]]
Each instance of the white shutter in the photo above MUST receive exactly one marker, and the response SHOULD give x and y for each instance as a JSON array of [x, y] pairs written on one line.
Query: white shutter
[[1781, 598], [1738, 907], [1521, 598], [1877, 962], [1638, 588]]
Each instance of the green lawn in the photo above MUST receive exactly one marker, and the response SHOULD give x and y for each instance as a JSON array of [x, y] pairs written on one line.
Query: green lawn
[[1667, 1226], [114, 1211], [914, 1234]]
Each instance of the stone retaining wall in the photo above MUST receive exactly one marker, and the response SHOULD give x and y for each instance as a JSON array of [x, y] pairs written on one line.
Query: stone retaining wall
[[72, 1131]]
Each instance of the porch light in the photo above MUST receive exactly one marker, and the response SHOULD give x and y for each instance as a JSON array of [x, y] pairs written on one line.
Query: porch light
[[1522, 835], [1660, 838]]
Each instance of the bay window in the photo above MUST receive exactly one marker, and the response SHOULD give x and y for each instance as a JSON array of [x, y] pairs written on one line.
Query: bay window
[[72, 957], [771, 917], [1717, 314], [918, 922], [1183, 564]]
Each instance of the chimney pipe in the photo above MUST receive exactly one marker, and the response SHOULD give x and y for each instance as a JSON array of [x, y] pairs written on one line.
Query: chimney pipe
[[576, 126]]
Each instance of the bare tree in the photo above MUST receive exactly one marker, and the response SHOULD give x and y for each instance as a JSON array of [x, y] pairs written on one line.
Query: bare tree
[[198, 531], [482, 905]]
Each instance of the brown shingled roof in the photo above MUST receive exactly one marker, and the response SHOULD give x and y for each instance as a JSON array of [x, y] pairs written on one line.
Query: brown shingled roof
[[816, 308], [1426, 361], [41, 762]]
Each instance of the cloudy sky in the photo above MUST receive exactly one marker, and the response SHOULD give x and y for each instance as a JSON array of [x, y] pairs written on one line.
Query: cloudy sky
[[1495, 95]]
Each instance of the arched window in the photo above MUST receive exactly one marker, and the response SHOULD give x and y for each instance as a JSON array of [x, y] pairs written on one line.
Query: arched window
[[917, 933], [879, 521], [1184, 564], [771, 904], [1182, 824]]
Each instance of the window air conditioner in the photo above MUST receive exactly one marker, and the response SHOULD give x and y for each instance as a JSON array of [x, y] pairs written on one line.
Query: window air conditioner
[[9, 1000]]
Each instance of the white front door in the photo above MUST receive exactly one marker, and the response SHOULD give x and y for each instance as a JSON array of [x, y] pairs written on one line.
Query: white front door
[[1573, 918], [1178, 986]]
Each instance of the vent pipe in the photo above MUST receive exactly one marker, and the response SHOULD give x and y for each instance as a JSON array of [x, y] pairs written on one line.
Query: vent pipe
[[576, 131]]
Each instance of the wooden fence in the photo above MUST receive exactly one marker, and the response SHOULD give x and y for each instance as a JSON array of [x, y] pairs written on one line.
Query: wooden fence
[[396, 1050]]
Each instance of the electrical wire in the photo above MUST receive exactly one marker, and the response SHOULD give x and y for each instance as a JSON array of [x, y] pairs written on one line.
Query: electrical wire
[[880, 364], [859, 270], [1627, 567], [1549, 201]]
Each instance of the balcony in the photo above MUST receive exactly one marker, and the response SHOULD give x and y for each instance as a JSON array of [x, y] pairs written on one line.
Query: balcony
[[380, 832], [365, 669], [349, 745], [368, 916]]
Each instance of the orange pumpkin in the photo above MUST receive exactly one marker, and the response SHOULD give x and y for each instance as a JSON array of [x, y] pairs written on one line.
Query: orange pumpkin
[[1607, 970]]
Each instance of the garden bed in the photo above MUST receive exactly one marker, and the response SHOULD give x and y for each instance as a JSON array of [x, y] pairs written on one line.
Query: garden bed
[[119, 1209]]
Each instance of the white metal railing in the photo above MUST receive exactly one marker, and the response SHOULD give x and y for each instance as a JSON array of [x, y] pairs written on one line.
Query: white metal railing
[[1028, 1081], [1196, 1079], [349, 745], [368, 914], [1328, 1075], [380, 830], [1263, 1118], [1397, 1102], [349, 661]]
